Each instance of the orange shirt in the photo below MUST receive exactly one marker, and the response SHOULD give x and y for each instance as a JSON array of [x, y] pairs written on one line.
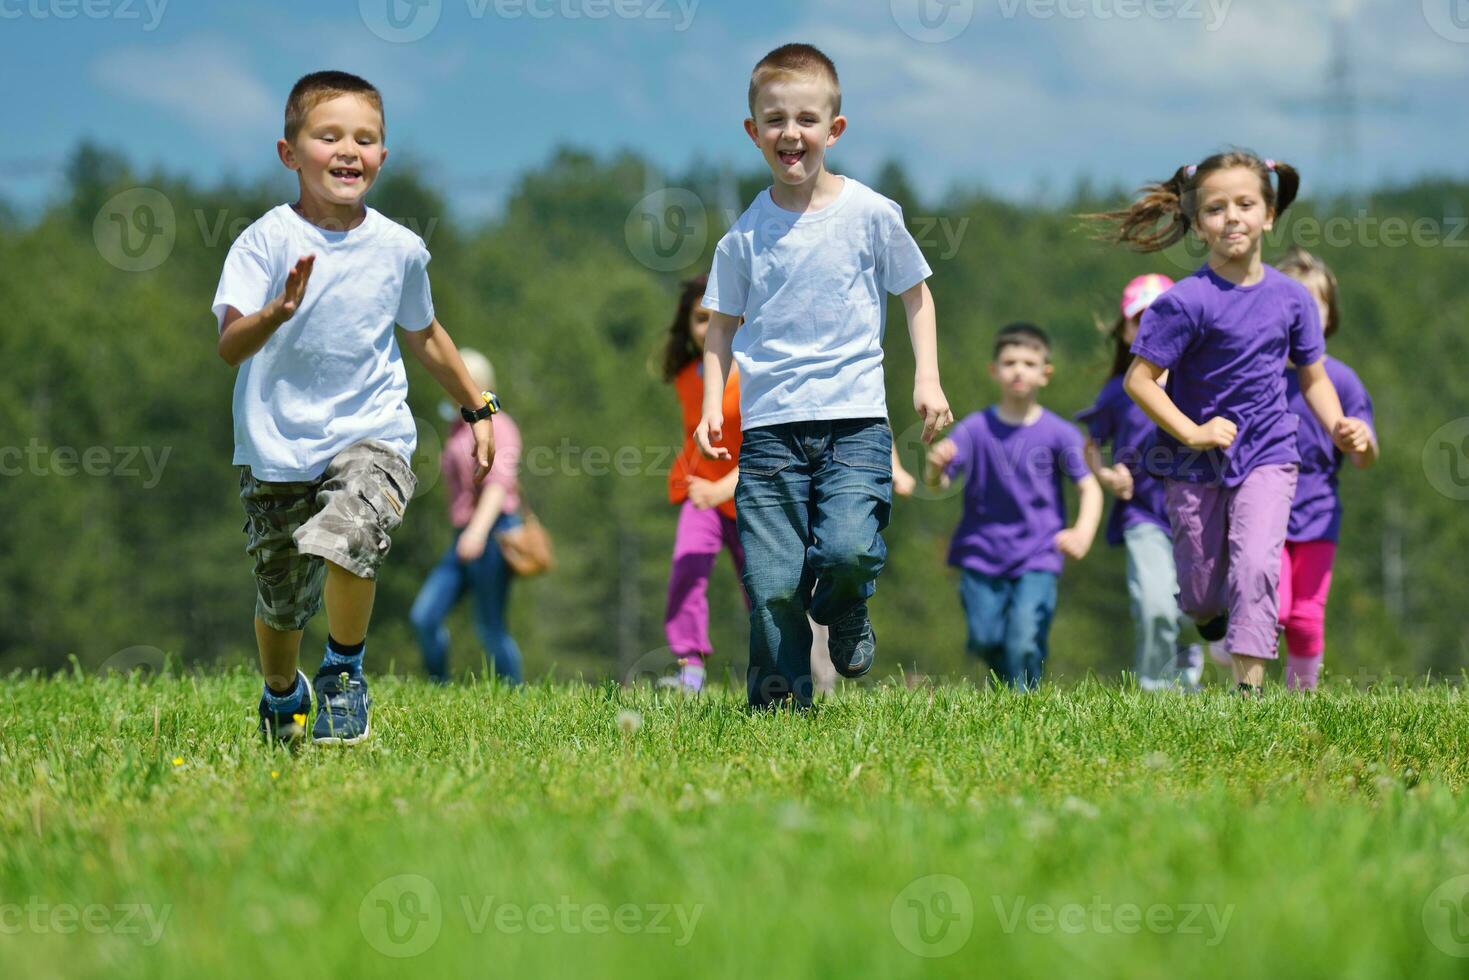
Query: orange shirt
[[690, 462]]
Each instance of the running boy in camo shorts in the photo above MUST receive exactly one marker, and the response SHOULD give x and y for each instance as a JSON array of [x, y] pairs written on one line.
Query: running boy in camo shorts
[[306, 307]]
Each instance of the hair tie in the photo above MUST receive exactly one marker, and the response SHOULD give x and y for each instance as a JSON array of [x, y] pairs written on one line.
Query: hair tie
[[1270, 165], [1192, 169]]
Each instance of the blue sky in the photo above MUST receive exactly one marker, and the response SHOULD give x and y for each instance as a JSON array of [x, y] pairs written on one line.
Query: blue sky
[[1016, 96]]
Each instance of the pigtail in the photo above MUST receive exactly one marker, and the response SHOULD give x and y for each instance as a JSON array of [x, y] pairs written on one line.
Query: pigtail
[[1157, 219], [1287, 185]]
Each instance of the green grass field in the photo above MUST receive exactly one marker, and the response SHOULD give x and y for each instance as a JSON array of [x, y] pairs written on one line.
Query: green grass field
[[583, 831]]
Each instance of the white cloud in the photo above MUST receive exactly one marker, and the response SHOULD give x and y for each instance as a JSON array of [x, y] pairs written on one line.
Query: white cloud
[[202, 81]]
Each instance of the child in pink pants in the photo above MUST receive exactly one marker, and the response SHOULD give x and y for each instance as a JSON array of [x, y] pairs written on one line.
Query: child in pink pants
[[1315, 517]]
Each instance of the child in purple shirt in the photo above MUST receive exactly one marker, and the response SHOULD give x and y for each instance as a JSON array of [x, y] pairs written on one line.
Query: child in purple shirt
[[1315, 516], [1163, 656], [1012, 536], [1227, 449]]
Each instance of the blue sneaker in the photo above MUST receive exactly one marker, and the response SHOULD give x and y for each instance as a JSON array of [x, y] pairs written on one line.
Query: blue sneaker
[[342, 705], [287, 726], [853, 643]]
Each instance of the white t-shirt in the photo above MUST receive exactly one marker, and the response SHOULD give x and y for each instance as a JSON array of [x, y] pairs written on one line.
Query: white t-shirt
[[332, 375], [811, 289]]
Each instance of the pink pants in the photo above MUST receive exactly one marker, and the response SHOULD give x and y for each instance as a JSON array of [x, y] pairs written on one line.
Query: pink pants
[[1227, 543], [1305, 579], [701, 535]]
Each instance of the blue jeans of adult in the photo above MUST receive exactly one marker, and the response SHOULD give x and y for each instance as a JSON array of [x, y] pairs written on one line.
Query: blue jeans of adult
[[487, 580], [811, 504], [1009, 622]]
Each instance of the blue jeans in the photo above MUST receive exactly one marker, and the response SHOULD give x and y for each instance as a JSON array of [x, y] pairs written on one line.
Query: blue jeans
[[811, 503], [487, 579], [1010, 622]]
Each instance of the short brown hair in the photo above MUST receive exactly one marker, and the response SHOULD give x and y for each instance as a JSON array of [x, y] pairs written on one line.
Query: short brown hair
[[1022, 334], [796, 59], [318, 87], [1312, 273]]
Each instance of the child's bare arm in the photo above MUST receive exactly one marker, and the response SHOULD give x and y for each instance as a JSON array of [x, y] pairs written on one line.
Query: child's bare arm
[[939, 457], [1141, 385], [928, 394], [1116, 479], [1077, 539], [436, 351], [718, 355], [240, 336], [1351, 436]]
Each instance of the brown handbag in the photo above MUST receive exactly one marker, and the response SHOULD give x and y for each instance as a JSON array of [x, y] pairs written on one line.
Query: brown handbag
[[527, 549]]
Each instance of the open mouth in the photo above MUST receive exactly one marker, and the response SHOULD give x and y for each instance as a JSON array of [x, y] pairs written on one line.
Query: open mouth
[[348, 175], [790, 157]]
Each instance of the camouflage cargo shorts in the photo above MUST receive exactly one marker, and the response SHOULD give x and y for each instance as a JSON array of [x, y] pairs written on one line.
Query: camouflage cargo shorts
[[344, 516]]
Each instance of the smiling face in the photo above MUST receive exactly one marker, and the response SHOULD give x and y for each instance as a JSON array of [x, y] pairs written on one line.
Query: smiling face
[[1232, 213], [1020, 370], [794, 123], [337, 152]]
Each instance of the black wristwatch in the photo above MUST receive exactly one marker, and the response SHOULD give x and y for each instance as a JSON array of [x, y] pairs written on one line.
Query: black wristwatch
[[490, 407]]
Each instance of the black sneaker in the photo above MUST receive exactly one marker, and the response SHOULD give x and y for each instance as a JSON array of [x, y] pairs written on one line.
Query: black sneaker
[[853, 644], [288, 727], [342, 705], [1214, 629]]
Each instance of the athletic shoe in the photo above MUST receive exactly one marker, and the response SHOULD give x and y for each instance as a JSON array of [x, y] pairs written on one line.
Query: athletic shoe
[[287, 726], [342, 705], [688, 680], [853, 644], [1214, 629]]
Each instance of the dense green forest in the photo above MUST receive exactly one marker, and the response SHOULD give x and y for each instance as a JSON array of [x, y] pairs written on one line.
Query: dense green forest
[[123, 528]]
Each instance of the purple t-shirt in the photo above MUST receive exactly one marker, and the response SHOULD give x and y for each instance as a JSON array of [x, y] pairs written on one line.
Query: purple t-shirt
[[1013, 504], [1316, 513], [1225, 348], [1116, 420]]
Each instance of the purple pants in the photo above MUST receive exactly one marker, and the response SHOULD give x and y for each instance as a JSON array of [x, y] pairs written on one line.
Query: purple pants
[[1226, 544], [700, 537]]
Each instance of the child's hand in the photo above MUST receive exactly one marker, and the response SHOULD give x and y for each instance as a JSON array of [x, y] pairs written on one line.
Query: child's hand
[[471, 545], [1074, 543], [484, 449], [703, 494], [1118, 481], [710, 431], [929, 401], [904, 483], [1352, 435], [940, 456], [1217, 433], [289, 301]]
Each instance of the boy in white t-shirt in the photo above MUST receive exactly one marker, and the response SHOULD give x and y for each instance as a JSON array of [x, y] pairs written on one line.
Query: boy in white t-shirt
[[306, 307], [808, 266]]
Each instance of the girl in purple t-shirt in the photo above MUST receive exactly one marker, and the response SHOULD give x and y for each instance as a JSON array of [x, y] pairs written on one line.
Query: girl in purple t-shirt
[[1163, 657], [1227, 449], [1315, 516]]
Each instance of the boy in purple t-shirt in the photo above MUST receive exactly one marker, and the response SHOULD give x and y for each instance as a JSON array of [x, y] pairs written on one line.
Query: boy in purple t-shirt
[[1315, 515], [1012, 536]]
